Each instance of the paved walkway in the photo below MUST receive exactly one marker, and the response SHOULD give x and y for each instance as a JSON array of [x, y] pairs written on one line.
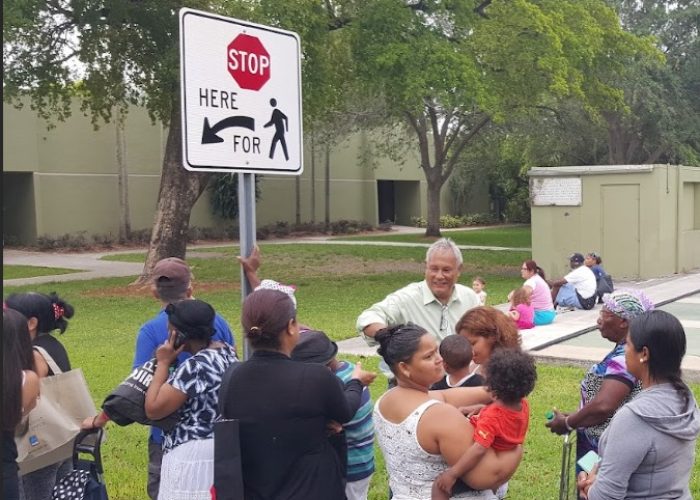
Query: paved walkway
[[550, 343]]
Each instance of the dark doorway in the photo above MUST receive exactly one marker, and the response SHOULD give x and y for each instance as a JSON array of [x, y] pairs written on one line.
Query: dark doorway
[[385, 202]]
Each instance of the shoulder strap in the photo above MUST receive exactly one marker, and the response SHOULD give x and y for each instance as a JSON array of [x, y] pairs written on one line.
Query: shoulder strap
[[225, 383], [49, 360]]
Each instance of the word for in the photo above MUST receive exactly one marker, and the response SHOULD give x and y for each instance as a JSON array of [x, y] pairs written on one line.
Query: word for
[[246, 144]]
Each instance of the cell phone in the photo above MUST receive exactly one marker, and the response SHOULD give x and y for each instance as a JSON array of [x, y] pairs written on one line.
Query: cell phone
[[179, 339], [588, 461]]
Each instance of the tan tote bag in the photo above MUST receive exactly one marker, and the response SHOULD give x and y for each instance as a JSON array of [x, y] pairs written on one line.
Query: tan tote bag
[[46, 434]]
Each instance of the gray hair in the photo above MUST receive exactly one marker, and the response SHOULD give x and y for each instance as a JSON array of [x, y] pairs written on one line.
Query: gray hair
[[444, 245]]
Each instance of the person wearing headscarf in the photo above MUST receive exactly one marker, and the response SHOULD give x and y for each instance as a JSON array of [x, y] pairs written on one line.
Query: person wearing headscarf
[[607, 385], [648, 449]]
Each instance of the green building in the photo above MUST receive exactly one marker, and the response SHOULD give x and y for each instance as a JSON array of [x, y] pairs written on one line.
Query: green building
[[65, 180]]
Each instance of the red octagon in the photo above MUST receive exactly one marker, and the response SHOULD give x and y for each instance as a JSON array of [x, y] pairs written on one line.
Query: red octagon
[[248, 62]]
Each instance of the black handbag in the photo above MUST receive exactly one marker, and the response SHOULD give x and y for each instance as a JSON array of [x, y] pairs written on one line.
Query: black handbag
[[85, 481], [228, 465], [126, 404]]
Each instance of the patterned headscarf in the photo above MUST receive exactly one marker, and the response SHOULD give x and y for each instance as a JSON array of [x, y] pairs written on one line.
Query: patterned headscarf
[[627, 304], [275, 285]]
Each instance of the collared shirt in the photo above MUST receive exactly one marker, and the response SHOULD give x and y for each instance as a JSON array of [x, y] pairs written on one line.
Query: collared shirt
[[417, 304]]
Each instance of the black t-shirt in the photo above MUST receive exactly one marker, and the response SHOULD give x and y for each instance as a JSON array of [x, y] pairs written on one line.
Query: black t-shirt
[[55, 350]]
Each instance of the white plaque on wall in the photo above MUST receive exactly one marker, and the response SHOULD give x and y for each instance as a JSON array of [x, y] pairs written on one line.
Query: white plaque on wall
[[555, 191]]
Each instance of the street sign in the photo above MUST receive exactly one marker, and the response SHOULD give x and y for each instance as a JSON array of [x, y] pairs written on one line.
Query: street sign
[[240, 89]]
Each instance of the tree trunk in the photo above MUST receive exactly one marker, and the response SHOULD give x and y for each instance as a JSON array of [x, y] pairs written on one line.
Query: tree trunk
[[122, 180], [179, 190], [434, 188]]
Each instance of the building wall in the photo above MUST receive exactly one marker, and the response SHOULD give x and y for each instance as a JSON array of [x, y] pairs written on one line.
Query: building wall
[[629, 214], [74, 179], [689, 218]]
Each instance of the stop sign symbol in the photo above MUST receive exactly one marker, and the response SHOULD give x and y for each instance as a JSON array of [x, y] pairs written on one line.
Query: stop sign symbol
[[248, 62]]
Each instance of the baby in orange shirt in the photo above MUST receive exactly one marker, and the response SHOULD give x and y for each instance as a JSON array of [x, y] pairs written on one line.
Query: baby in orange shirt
[[501, 425]]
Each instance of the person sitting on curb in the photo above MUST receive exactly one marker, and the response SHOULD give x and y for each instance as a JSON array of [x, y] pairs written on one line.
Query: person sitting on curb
[[578, 288]]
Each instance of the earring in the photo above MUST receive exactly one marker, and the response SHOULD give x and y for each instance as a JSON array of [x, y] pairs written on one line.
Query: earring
[[641, 360]]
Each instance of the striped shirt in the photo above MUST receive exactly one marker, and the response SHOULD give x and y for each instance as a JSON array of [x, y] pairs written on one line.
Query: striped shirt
[[359, 432]]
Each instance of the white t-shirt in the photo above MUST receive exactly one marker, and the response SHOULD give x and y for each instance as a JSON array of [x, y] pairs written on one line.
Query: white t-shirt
[[583, 280]]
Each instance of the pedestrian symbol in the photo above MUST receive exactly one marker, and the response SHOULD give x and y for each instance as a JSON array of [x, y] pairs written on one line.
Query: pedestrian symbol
[[279, 120]]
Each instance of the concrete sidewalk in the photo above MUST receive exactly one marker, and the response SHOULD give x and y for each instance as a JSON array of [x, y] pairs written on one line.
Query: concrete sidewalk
[[546, 342]]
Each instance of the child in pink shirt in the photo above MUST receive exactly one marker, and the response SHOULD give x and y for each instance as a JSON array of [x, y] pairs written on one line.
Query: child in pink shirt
[[521, 310]]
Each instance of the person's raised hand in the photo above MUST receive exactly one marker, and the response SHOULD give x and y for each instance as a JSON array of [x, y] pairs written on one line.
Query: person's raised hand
[[363, 376], [166, 352], [252, 262]]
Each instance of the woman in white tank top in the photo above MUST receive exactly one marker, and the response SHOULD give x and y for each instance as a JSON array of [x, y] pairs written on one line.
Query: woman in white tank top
[[420, 432]]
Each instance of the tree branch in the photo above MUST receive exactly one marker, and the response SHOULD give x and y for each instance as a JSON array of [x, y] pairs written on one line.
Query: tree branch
[[447, 171], [480, 9]]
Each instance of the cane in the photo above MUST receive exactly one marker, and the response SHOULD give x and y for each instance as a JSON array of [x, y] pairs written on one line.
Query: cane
[[565, 462]]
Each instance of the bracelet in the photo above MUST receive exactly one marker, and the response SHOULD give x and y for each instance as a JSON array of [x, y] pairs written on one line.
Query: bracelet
[[93, 420], [566, 423]]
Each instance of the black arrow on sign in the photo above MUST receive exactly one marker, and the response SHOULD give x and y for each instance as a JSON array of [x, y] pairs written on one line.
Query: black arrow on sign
[[209, 133]]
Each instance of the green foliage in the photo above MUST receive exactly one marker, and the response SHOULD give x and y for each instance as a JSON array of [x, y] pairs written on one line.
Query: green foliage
[[224, 194], [663, 125], [453, 221]]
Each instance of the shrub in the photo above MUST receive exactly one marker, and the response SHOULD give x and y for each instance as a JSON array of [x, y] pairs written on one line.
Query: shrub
[[478, 219], [419, 221]]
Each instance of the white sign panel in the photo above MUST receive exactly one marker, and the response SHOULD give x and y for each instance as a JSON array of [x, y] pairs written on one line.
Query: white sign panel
[[240, 94], [558, 191]]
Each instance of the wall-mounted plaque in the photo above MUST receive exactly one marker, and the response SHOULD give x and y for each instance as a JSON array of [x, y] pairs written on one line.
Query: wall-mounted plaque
[[555, 191]]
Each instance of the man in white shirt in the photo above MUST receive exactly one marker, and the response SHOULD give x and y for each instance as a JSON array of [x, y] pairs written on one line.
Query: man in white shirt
[[436, 303], [576, 289]]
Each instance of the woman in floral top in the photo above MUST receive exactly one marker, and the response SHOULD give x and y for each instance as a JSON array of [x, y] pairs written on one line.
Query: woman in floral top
[[607, 385], [193, 389]]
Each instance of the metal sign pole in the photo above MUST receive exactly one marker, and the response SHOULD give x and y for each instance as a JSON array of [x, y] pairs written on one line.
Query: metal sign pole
[[246, 219]]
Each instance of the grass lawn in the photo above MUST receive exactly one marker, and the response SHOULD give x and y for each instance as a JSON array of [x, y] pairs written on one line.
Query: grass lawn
[[13, 272], [335, 283], [515, 237]]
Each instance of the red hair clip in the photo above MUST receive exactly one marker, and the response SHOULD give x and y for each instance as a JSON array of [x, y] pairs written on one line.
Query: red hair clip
[[58, 311]]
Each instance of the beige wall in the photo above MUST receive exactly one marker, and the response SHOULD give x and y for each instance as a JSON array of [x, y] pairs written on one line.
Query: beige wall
[[636, 217], [689, 218], [73, 179]]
